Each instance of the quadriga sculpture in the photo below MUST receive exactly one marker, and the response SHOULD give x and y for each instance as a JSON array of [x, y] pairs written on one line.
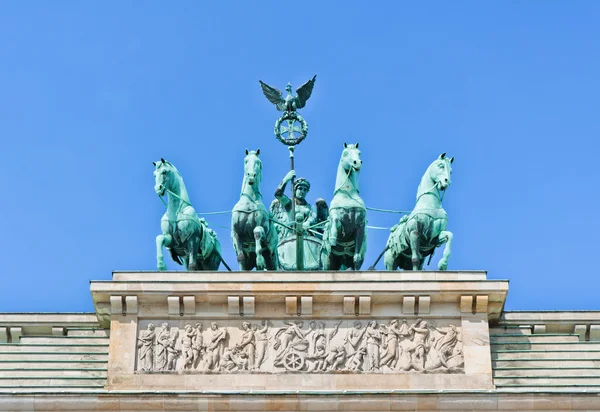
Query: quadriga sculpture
[[417, 235], [252, 232], [345, 234], [188, 238]]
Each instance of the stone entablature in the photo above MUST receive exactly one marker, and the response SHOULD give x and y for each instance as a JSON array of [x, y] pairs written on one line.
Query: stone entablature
[[318, 330]]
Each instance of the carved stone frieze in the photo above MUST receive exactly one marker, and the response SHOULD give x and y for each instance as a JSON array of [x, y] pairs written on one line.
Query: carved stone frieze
[[301, 346]]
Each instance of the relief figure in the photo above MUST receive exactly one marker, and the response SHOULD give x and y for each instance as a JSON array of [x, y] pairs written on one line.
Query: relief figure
[[373, 336], [356, 359], [187, 351], [215, 347], [316, 360], [262, 342], [391, 335], [233, 360], [336, 358], [284, 337], [247, 344], [197, 346], [145, 346], [166, 354]]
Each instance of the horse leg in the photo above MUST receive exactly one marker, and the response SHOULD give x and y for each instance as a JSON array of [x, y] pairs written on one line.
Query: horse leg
[[161, 240], [239, 249], [445, 237], [214, 260], [325, 261], [259, 235], [414, 239], [333, 230], [389, 260], [272, 239], [359, 247], [193, 244]]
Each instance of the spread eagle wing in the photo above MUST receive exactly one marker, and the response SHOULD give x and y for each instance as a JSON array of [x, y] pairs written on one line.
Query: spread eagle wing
[[304, 92], [273, 95]]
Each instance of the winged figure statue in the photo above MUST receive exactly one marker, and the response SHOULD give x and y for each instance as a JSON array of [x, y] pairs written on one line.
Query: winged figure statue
[[290, 102]]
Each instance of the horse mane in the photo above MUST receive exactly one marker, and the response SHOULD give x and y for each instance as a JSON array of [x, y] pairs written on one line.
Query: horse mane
[[182, 189], [426, 184]]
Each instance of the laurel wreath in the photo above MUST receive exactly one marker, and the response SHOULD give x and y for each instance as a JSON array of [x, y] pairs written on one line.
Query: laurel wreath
[[291, 141]]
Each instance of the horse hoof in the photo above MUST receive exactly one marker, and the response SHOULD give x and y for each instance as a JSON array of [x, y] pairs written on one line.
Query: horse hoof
[[241, 258], [332, 242], [161, 267], [442, 265]]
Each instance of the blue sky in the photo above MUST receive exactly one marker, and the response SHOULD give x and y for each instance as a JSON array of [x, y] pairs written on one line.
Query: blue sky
[[92, 92]]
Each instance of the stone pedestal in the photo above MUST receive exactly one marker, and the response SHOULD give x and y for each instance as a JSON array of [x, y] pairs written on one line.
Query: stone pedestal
[[320, 331]]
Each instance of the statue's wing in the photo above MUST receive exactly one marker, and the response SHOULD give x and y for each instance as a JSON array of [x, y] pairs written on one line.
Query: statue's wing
[[304, 92], [278, 214], [273, 95], [322, 210]]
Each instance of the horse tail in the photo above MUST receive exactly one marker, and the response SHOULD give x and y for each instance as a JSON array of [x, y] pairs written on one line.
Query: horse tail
[[175, 257]]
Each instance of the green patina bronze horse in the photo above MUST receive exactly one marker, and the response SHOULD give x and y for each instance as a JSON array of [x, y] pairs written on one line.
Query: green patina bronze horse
[[345, 234], [417, 235], [252, 232], [188, 238]]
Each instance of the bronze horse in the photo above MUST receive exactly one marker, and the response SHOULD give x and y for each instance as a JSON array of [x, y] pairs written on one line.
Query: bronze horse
[[252, 232], [417, 235], [345, 234]]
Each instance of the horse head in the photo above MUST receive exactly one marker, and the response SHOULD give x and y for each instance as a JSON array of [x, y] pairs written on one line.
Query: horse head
[[252, 167], [351, 158], [163, 176], [440, 172]]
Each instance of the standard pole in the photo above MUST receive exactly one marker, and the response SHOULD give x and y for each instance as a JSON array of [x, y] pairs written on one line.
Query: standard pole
[[298, 225]]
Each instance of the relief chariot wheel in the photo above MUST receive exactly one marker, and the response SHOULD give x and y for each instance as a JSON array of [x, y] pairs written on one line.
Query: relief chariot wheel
[[293, 361], [291, 128]]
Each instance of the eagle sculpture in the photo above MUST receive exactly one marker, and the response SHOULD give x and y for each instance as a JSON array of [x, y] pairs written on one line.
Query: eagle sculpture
[[290, 103]]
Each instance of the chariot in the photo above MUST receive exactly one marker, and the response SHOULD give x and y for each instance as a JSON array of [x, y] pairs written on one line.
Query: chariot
[[295, 358], [312, 252]]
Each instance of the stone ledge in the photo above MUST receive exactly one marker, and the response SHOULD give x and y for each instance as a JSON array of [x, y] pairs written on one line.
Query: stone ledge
[[322, 276], [296, 401]]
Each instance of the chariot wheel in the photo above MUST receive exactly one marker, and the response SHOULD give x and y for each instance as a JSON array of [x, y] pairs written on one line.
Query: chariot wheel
[[293, 361]]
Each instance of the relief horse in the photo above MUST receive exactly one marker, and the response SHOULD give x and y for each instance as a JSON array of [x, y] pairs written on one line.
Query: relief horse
[[252, 232], [188, 238], [345, 234], [417, 235]]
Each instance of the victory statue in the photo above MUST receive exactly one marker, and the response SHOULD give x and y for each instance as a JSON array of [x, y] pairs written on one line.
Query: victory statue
[[282, 205], [291, 213]]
